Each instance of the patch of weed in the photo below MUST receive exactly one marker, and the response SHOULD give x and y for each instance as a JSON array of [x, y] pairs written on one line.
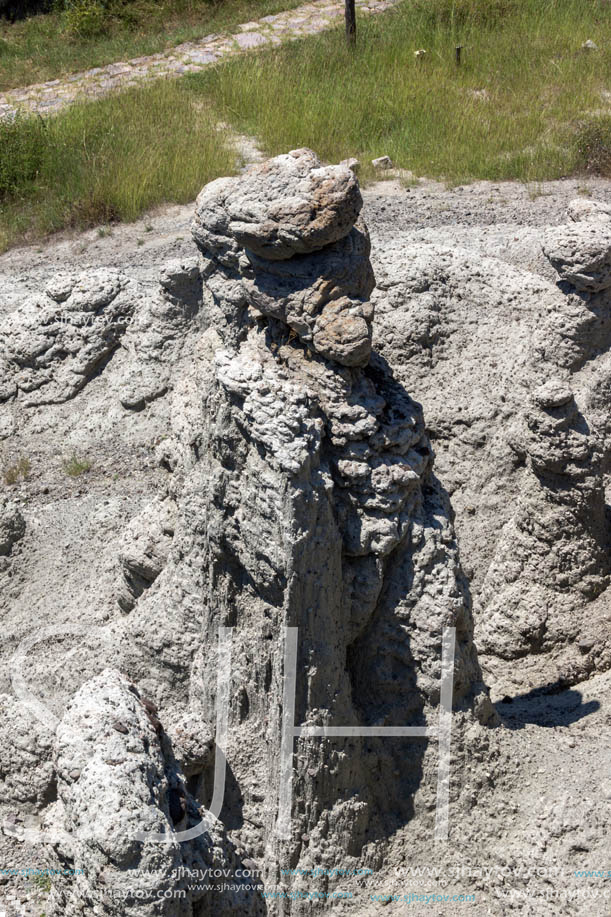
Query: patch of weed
[[75, 466], [17, 471]]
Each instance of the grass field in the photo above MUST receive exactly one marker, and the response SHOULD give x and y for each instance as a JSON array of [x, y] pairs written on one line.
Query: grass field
[[47, 46], [526, 103], [107, 160]]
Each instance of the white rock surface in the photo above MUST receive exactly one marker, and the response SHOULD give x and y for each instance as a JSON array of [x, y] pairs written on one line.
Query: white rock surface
[[117, 779], [55, 342], [581, 253], [586, 210]]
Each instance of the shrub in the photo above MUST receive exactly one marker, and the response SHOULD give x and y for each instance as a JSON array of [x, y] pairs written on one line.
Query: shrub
[[594, 144], [85, 18], [76, 466], [19, 9], [17, 471]]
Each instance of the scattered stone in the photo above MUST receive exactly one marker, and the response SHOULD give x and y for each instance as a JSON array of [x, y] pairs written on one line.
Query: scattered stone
[[586, 211], [480, 95], [351, 163], [382, 162], [589, 45]]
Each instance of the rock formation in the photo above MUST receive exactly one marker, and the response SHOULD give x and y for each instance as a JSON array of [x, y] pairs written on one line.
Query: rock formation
[[118, 779], [306, 498], [300, 493], [12, 525], [552, 557], [259, 234], [55, 342], [521, 437], [274, 471]]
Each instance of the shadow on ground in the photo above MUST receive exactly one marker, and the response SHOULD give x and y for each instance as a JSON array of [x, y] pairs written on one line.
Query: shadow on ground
[[548, 706]]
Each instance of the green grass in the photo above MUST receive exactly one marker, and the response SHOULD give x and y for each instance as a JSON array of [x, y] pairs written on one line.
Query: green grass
[[74, 467], [42, 881], [527, 103], [107, 160], [536, 119], [45, 47], [17, 471]]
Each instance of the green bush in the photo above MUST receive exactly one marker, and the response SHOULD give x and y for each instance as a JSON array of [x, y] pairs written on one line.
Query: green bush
[[85, 18], [594, 144], [20, 9]]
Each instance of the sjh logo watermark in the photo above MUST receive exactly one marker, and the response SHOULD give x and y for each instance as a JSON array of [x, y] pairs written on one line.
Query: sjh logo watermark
[[289, 731]]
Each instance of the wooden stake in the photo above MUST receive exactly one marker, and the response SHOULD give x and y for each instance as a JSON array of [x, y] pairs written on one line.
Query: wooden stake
[[350, 22], [458, 49]]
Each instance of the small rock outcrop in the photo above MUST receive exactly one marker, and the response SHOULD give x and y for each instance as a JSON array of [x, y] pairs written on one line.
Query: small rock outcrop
[[552, 557], [12, 525], [260, 232], [586, 210], [27, 777], [118, 779], [581, 254], [145, 546], [154, 338]]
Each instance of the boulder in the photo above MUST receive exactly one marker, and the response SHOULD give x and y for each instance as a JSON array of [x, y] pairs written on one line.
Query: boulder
[[288, 205], [304, 262], [582, 210], [120, 790], [581, 254]]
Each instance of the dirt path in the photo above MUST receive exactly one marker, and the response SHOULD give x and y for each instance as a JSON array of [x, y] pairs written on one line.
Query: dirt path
[[190, 57]]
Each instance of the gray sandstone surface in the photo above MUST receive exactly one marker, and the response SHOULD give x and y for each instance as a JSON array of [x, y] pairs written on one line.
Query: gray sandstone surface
[[268, 452]]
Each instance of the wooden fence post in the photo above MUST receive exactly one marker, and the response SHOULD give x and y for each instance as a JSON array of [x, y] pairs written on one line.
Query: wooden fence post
[[350, 22]]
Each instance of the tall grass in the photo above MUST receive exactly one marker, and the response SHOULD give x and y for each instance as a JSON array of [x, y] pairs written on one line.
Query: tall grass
[[527, 102], [47, 46], [107, 160], [513, 109]]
